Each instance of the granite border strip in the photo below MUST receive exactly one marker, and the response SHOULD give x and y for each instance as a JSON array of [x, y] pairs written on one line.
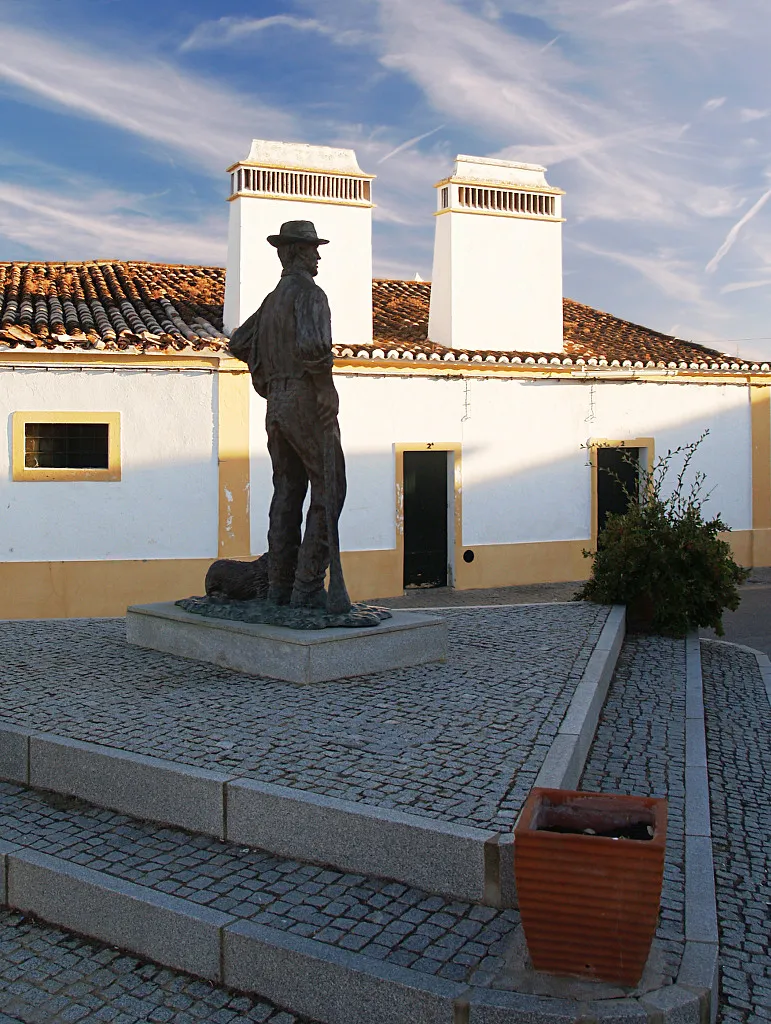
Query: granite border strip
[[565, 760], [699, 968], [6, 849], [429, 854], [14, 754], [166, 929], [332, 984], [134, 784]]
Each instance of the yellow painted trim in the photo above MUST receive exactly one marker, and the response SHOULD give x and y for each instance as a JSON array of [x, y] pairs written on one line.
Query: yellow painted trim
[[371, 574], [760, 418], [59, 590], [21, 357], [53, 590], [21, 473], [502, 213], [536, 371], [604, 442], [508, 565], [233, 396], [428, 446], [301, 199], [299, 170]]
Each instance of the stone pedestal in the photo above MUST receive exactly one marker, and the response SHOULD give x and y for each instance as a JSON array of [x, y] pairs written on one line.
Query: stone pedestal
[[296, 656]]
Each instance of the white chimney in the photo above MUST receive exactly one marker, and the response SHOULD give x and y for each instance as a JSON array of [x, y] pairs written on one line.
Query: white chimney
[[497, 277], [281, 181]]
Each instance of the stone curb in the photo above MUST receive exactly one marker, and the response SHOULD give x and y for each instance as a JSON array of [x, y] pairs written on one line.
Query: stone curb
[[699, 969], [564, 763], [457, 861], [431, 855]]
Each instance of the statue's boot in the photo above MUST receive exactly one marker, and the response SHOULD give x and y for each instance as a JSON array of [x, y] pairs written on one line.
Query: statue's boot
[[309, 599], [278, 594]]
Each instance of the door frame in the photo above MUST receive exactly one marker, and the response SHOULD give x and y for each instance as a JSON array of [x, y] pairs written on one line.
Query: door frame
[[605, 442], [454, 503]]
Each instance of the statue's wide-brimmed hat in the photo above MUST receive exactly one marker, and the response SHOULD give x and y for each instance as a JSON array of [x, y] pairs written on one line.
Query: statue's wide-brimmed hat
[[297, 231]]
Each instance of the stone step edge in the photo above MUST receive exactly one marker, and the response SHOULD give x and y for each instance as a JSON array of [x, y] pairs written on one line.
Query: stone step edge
[[303, 975], [456, 861]]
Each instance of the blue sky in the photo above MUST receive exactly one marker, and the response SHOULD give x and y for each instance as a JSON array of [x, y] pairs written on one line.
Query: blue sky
[[119, 118]]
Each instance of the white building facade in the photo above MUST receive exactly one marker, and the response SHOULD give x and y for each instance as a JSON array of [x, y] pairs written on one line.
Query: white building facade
[[507, 417]]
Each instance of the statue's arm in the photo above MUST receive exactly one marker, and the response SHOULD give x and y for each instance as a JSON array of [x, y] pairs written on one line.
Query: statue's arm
[[240, 344], [314, 345], [243, 345]]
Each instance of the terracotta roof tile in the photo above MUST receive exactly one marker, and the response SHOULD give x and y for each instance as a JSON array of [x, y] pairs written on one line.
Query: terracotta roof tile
[[108, 304], [137, 306]]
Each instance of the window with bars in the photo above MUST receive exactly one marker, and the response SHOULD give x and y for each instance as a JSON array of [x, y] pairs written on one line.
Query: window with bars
[[66, 445], [499, 200], [309, 185]]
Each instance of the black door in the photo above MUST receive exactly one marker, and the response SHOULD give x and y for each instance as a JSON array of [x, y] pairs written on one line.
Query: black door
[[618, 481], [425, 519]]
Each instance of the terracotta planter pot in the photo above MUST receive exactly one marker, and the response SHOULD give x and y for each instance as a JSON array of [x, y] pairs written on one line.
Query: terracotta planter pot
[[589, 903]]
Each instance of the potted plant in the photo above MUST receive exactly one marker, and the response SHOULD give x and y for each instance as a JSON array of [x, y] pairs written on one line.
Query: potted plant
[[589, 868], [664, 558]]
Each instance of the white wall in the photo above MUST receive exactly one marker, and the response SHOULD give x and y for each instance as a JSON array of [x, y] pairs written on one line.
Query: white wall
[[166, 503], [525, 475], [500, 284], [345, 271]]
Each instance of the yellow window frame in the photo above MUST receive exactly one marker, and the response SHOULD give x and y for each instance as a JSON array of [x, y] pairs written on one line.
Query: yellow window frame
[[21, 473]]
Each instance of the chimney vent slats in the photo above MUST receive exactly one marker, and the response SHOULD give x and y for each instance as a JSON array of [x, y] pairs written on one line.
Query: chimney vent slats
[[501, 200]]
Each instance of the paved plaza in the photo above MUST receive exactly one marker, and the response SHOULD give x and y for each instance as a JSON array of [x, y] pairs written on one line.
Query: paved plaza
[[461, 741], [80, 681]]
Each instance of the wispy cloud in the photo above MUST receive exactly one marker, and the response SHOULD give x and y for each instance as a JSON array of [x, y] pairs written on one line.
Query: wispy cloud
[[743, 286], [409, 143], [670, 274], [203, 122], [230, 31], [103, 223], [714, 104], [733, 234], [748, 114]]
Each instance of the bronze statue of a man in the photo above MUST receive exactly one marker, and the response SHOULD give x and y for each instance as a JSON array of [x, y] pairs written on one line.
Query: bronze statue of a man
[[287, 345]]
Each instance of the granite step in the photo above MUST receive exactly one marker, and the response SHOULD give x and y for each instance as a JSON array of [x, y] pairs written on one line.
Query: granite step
[[331, 946]]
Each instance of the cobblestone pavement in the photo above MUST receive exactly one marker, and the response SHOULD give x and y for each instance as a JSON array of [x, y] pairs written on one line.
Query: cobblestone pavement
[[445, 597], [461, 741], [50, 977], [381, 919], [639, 748], [738, 719]]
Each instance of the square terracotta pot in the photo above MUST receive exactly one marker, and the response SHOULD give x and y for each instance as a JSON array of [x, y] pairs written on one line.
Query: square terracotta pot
[[589, 903]]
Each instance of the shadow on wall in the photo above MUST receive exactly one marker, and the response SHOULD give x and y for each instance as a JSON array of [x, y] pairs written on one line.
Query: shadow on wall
[[92, 548]]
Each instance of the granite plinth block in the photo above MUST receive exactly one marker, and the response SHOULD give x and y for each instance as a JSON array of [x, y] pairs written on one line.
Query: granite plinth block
[[295, 656]]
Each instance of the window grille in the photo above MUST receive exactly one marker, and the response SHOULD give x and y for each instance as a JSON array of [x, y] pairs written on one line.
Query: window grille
[[445, 197], [500, 200], [66, 445], [262, 181]]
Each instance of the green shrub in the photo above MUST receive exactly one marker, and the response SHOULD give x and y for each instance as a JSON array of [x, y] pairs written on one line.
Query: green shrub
[[663, 559]]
